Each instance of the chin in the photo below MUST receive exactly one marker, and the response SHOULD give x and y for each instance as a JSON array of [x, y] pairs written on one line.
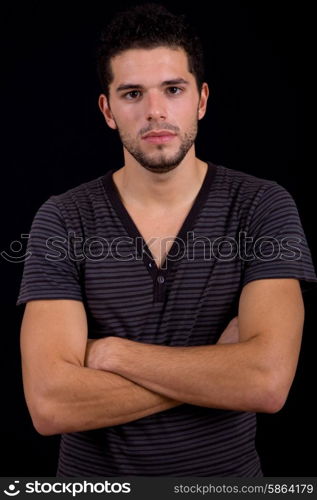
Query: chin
[[160, 169]]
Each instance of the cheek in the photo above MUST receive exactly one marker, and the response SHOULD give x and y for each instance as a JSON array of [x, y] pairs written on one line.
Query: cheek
[[186, 110], [187, 118], [124, 121], [131, 120]]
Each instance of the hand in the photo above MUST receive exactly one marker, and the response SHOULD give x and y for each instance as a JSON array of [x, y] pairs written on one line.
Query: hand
[[90, 355], [102, 353], [97, 353], [231, 334]]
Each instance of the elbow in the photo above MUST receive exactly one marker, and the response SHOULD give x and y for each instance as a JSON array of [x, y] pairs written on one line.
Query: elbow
[[274, 397], [43, 419], [44, 427], [273, 403]]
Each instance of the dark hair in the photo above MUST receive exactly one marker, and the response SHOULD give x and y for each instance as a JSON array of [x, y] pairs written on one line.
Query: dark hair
[[148, 26]]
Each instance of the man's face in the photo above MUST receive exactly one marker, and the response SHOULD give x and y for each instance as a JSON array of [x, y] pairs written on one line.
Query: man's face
[[153, 91]]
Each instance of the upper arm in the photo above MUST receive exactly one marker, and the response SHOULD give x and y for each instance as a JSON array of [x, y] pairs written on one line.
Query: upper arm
[[271, 311], [52, 332]]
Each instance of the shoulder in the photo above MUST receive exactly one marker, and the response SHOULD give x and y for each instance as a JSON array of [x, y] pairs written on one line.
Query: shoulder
[[241, 188], [80, 199], [233, 180], [84, 193], [76, 209]]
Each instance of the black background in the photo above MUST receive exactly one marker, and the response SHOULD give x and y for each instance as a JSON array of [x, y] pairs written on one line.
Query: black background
[[54, 138]]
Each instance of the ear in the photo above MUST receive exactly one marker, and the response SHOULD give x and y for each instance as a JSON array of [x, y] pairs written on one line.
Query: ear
[[106, 111], [203, 101]]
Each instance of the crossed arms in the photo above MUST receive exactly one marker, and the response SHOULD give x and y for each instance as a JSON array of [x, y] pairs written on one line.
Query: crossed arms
[[73, 384]]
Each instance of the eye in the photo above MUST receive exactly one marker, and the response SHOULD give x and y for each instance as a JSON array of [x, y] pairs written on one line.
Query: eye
[[129, 95], [176, 89]]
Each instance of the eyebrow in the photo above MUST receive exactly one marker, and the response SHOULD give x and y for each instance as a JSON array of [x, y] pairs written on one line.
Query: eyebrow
[[127, 86]]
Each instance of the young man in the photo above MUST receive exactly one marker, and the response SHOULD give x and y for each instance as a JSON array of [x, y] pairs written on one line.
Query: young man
[[132, 361]]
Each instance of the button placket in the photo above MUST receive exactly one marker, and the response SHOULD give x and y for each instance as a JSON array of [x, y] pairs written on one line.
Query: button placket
[[159, 287]]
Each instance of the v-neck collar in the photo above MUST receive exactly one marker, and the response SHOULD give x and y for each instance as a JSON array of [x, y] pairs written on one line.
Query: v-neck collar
[[158, 274]]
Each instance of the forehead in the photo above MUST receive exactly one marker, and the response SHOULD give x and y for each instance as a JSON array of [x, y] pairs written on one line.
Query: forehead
[[160, 63]]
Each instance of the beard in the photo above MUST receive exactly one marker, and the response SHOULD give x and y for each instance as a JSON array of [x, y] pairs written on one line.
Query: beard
[[160, 161]]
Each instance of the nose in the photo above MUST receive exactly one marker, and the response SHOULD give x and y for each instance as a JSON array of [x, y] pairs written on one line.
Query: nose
[[155, 107]]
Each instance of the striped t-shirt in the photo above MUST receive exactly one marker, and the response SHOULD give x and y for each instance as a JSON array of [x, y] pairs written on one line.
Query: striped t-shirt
[[85, 246]]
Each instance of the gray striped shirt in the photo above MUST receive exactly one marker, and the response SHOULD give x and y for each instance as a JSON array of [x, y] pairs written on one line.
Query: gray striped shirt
[[85, 246]]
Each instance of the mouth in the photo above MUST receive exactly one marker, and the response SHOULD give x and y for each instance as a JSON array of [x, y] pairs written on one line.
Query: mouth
[[158, 139]]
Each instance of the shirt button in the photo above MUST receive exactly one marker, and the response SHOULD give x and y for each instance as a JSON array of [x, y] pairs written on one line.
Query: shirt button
[[150, 264], [160, 279]]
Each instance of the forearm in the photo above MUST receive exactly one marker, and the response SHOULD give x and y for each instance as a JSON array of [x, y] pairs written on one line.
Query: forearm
[[80, 398], [219, 376]]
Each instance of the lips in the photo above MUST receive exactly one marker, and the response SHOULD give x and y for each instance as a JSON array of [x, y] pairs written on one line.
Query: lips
[[159, 137], [158, 133]]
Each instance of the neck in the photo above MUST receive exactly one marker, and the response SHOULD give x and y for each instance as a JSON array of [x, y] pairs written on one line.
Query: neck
[[150, 191]]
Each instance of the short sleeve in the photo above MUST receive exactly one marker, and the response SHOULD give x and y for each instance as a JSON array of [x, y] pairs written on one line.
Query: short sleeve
[[50, 270], [275, 241]]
